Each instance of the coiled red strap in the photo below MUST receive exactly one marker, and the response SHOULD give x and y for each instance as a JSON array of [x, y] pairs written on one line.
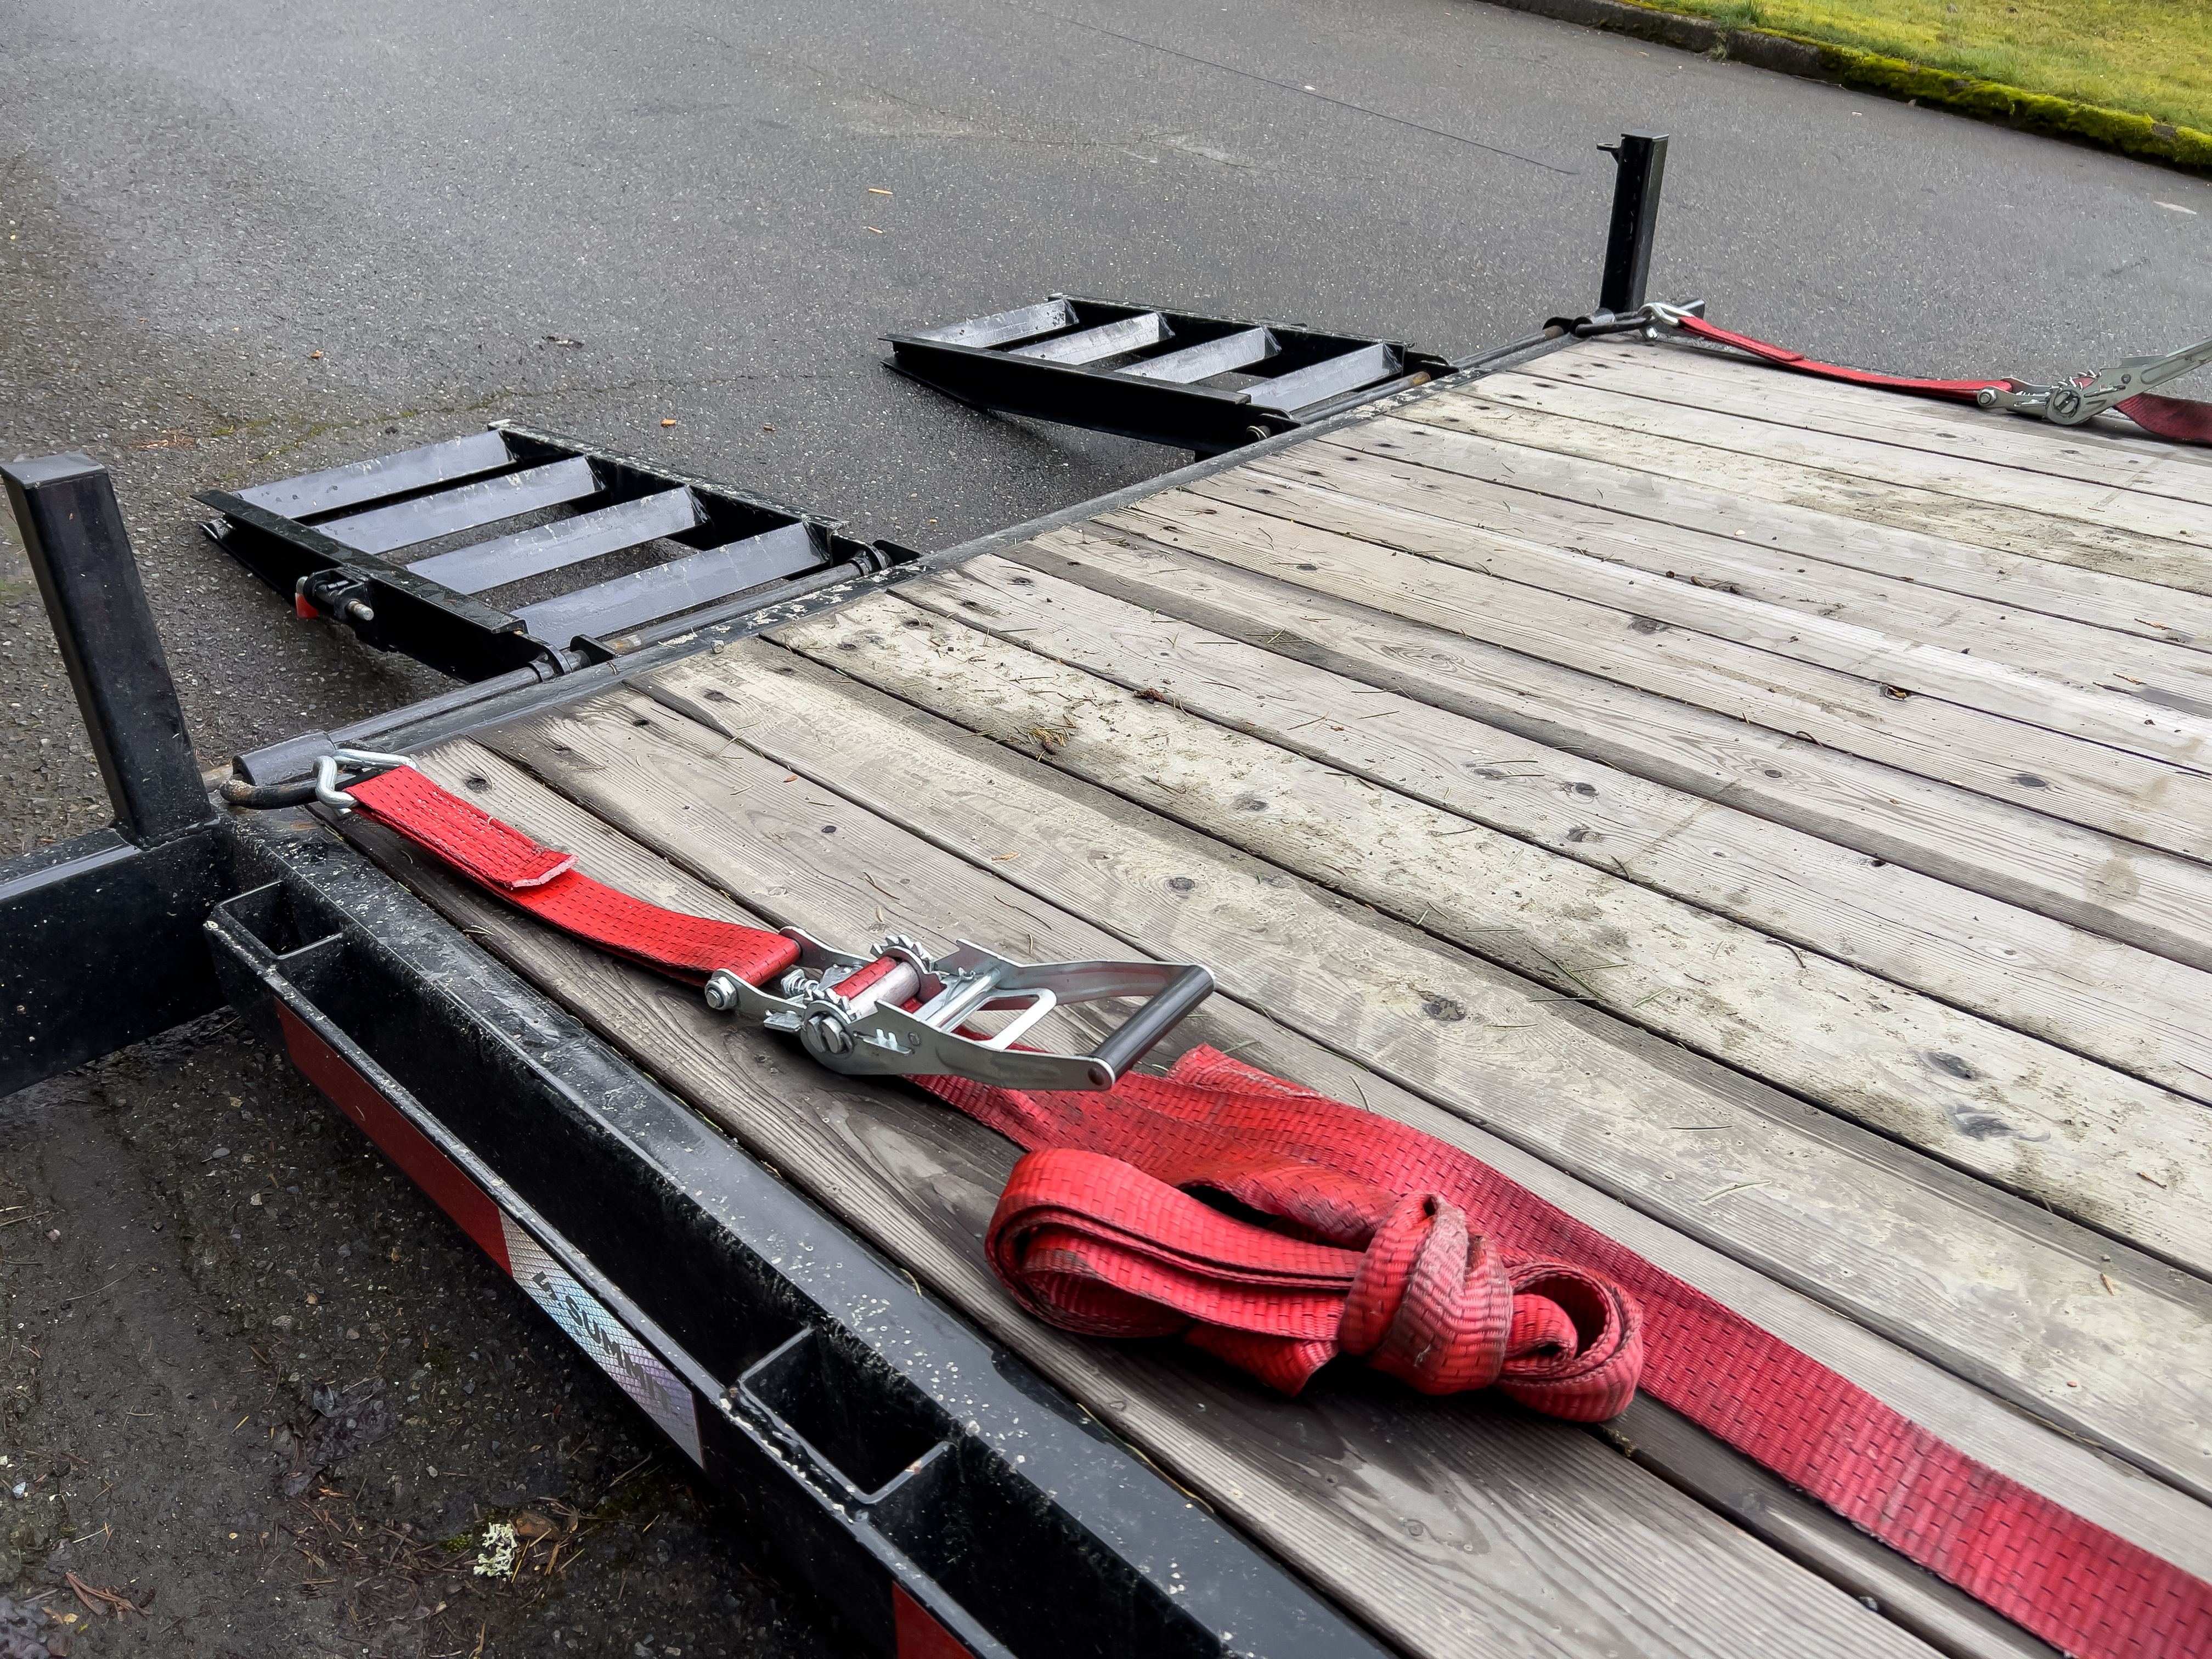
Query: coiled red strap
[[1093, 1244], [2080, 1587], [1385, 1244], [2178, 420]]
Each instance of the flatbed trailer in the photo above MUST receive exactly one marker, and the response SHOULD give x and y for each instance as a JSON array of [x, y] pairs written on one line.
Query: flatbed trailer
[[1768, 820]]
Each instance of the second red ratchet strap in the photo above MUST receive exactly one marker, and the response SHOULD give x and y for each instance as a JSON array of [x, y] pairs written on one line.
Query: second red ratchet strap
[[1782, 357], [2177, 420]]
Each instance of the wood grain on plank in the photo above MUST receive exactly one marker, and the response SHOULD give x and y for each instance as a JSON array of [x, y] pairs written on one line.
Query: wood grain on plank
[[1897, 665], [2129, 795], [1802, 1529], [1990, 1285], [2055, 506], [1458, 1527], [2118, 602], [2153, 900], [2168, 563], [1736, 385], [1489, 526], [2124, 1007], [2008, 1107], [760, 837]]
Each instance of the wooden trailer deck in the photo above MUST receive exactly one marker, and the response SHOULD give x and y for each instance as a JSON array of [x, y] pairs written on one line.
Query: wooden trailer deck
[[1768, 819]]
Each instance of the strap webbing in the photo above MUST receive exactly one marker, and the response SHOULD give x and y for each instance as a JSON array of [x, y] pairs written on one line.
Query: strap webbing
[[2178, 420], [499, 858], [1782, 357], [1459, 1271], [2182, 419]]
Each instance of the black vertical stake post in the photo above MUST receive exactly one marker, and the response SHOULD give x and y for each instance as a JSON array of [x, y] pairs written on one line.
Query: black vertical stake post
[[1640, 162], [73, 530]]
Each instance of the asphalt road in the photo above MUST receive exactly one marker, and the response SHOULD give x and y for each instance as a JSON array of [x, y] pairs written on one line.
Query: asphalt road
[[248, 240]]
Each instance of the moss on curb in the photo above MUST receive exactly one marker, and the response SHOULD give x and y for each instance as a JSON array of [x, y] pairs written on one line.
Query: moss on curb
[[2138, 136], [2029, 112]]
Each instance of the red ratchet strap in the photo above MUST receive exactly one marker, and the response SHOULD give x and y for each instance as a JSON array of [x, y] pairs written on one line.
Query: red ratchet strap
[[1391, 1246], [499, 858], [2181, 420], [2178, 420]]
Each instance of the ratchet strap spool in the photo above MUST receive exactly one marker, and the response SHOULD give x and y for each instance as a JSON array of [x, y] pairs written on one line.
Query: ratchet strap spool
[[1382, 1243]]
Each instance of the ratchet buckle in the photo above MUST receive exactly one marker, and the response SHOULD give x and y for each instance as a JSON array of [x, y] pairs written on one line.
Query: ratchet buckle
[[2080, 397], [851, 1011]]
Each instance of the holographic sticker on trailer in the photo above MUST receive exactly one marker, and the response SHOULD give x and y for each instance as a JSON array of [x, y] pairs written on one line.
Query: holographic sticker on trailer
[[637, 1370]]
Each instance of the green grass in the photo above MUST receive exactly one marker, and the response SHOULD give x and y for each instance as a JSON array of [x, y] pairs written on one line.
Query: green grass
[[2151, 58]]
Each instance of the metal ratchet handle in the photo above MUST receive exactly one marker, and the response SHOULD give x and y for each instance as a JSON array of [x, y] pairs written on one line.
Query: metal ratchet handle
[[2082, 397], [874, 1034], [1137, 1035], [2158, 369]]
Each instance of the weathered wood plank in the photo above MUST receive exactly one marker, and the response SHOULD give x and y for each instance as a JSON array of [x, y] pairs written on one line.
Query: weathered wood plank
[[1733, 386], [1990, 1285], [1457, 1527], [2153, 900], [760, 837], [1332, 488], [2103, 600], [2085, 783], [2061, 504], [1671, 1446], [1917, 667], [2168, 562], [2066, 1132], [2119, 1004]]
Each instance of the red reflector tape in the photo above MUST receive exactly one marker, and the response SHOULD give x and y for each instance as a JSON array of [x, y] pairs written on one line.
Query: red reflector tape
[[401, 1141], [919, 1636]]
